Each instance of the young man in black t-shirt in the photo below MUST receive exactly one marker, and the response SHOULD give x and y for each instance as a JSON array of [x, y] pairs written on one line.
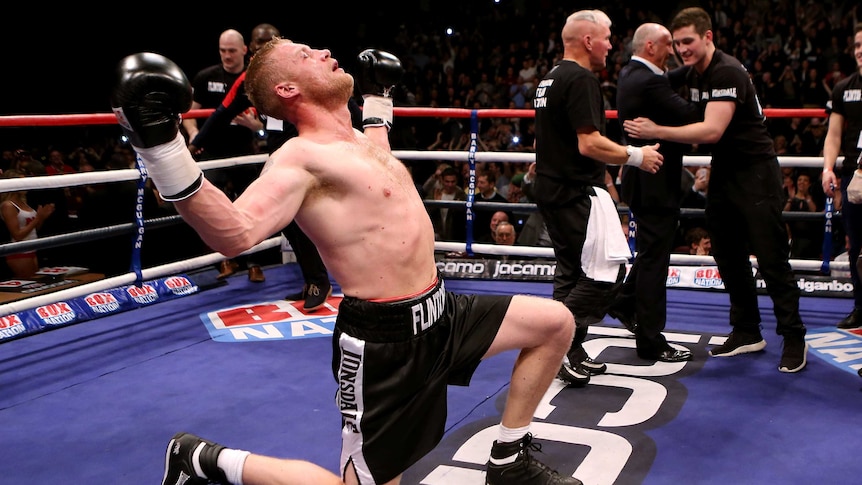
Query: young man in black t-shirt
[[844, 137], [745, 199]]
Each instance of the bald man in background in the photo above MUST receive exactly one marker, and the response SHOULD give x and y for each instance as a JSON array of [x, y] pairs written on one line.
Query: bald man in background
[[654, 198]]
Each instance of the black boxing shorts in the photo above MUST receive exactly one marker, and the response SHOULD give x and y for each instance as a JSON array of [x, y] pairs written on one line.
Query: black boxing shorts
[[393, 362]]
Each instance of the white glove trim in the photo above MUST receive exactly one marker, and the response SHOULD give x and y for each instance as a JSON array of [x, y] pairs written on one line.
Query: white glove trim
[[377, 107], [172, 168]]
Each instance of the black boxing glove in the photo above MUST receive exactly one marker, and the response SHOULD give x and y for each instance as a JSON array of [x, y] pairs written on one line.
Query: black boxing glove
[[380, 71], [150, 94]]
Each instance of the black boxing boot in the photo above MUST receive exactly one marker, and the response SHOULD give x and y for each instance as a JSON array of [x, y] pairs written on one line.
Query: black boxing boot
[[513, 463], [183, 451]]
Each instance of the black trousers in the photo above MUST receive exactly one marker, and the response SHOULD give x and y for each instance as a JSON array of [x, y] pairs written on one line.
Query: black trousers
[[852, 219], [312, 267], [644, 293], [743, 216], [587, 299]]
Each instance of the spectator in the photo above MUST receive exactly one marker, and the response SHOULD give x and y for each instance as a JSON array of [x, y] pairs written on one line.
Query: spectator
[[813, 137], [534, 232], [501, 172], [699, 242], [57, 163], [8, 161], [60, 221], [812, 92], [694, 198], [449, 222], [485, 91], [22, 223], [505, 234], [803, 233], [57, 166], [486, 191], [496, 219]]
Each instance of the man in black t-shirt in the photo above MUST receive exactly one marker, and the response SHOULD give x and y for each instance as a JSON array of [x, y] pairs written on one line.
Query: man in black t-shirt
[[235, 138], [745, 199], [571, 156], [210, 85], [844, 137]]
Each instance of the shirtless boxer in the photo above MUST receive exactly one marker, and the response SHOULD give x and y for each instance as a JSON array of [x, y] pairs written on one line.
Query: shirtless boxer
[[400, 338]]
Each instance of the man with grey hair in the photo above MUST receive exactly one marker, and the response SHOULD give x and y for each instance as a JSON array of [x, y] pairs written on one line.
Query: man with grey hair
[[571, 156], [653, 198]]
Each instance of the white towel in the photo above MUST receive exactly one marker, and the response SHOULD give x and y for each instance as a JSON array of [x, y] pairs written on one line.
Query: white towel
[[606, 247]]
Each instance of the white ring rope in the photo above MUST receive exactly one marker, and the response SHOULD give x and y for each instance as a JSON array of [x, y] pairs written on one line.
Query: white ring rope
[[679, 259], [75, 179], [687, 160]]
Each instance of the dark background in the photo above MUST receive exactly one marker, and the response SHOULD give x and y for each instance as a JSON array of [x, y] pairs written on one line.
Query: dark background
[[62, 60]]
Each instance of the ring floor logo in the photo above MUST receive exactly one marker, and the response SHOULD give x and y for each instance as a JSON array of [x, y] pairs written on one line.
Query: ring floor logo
[[271, 320], [841, 348], [605, 439], [606, 433]]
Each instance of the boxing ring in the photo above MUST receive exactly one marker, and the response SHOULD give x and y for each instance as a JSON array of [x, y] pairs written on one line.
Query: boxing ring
[[168, 348]]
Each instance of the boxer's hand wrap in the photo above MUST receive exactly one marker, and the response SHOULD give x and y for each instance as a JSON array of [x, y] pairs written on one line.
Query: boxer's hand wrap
[[636, 156], [173, 169], [379, 72]]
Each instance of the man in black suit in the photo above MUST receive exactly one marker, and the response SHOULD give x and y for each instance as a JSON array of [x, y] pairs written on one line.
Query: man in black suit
[[654, 198]]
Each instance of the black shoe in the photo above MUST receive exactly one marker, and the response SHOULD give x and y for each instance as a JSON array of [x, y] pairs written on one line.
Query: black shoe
[[581, 361], [794, 355], [670, 354], [179, 465], [572, 376], [512, 463], [628, 321], [852, 320], [739, 342], [298, 296], [316, 296], [859, 372]]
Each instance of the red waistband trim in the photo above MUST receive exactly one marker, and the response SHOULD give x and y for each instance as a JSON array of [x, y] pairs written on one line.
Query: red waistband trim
[[406, 297]]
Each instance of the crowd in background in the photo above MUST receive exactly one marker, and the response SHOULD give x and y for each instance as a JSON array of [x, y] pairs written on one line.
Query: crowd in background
[[795, 52]]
